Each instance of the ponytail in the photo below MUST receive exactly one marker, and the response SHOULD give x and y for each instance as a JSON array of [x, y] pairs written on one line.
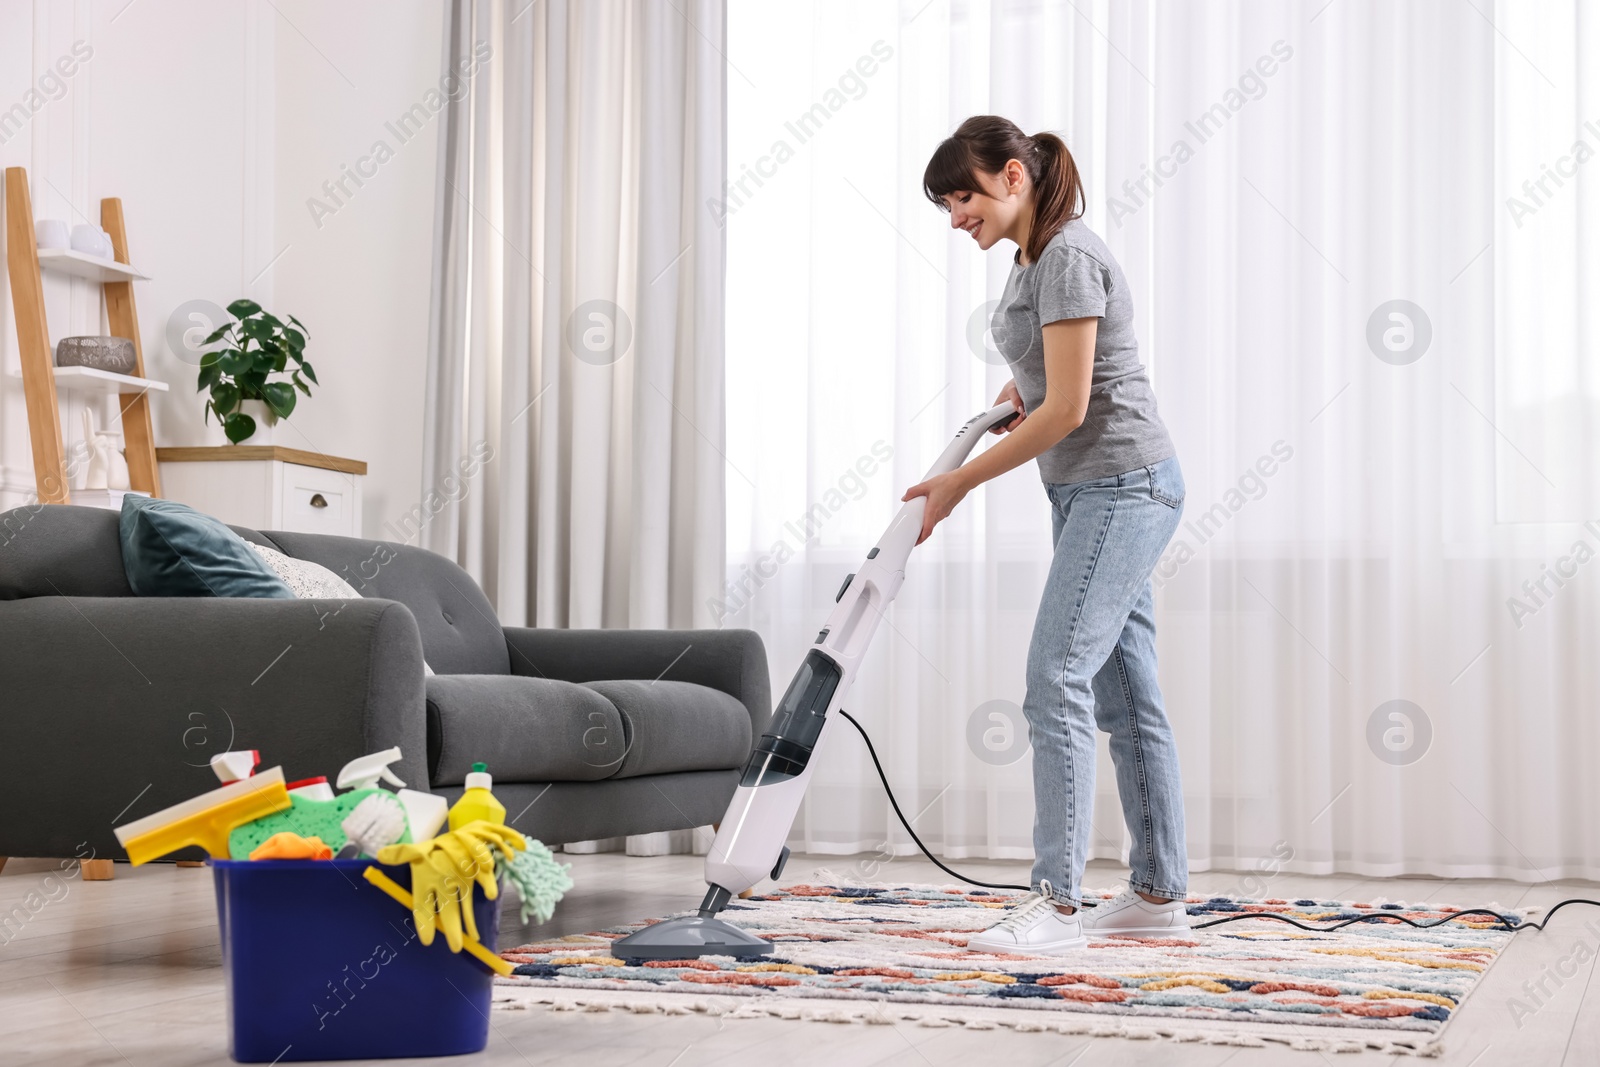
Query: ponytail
[[986, 143], [1058, 192]]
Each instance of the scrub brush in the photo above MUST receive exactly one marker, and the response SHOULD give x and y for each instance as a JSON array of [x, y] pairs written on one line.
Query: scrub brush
[[377, 821]]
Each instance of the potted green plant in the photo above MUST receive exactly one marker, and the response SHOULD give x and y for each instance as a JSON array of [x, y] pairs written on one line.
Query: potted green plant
[[256, 346]]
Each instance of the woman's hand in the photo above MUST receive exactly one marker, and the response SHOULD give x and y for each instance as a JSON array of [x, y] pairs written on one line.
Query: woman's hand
[[1009, 393], [944, 492]]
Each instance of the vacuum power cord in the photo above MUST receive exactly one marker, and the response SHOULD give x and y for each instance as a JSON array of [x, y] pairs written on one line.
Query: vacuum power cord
[[884, 778], [1506, 922]]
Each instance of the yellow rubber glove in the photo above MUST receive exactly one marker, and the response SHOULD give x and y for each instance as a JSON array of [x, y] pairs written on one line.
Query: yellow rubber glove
[[443, 870], [471, 852], [436, 889], [495, 834], [443, 899], [464, 861]]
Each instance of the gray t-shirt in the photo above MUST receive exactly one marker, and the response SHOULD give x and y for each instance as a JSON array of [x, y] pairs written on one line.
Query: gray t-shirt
[[1076, 277]]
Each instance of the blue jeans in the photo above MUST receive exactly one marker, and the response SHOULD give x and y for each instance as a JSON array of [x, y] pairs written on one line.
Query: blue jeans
[[1093, 660]]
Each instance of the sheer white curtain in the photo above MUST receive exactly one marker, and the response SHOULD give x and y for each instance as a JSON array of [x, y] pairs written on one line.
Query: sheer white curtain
[[1374, 345]]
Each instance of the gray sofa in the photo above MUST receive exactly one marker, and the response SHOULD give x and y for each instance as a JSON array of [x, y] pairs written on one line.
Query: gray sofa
[[111, 705]]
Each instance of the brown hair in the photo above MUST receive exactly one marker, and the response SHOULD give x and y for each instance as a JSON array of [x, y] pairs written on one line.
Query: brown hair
[[986, 143]]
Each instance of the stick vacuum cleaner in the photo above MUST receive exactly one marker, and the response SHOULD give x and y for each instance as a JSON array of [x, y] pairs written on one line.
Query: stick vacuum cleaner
[[749, 844]]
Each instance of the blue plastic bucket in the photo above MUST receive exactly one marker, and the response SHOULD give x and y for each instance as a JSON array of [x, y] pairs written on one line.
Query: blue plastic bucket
[[323, 965]]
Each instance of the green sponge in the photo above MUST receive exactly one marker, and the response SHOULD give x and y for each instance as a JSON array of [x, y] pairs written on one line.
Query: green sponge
[[306, 817]]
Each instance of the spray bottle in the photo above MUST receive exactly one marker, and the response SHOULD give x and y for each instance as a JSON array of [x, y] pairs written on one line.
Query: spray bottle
[[363, 772], [477, 802]]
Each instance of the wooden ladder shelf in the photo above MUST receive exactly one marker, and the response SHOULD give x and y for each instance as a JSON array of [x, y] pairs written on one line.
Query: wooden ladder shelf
[[51, 477]]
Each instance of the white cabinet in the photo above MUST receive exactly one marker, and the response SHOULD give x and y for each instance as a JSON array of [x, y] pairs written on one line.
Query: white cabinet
[[267, 487], [316, 500]]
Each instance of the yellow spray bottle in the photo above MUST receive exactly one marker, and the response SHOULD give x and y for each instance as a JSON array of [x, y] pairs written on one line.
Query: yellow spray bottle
[[477, 802]]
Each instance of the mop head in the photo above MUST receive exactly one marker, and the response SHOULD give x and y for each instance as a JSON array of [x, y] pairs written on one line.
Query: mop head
[[539, 880]]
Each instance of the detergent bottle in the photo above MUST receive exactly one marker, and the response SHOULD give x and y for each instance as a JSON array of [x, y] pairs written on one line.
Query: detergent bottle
[[477, 802]]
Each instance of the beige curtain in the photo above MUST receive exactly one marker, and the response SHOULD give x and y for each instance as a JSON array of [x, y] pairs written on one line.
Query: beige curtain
[[574, 429]]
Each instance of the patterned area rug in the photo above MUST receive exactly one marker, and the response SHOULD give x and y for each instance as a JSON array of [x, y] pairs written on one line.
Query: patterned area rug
[[886, 955]]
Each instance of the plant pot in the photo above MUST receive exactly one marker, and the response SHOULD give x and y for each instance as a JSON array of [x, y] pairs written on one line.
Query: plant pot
[[266, 422]]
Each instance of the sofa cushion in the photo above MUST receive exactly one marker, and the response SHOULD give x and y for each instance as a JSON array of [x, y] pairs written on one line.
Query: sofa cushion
[[60, 550], [542, 730], [170, 549], [525, 729], [677, 726], [66, 550], [460, 633]]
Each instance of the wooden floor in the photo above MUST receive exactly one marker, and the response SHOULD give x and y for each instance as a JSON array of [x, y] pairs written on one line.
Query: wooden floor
[[128, 972]]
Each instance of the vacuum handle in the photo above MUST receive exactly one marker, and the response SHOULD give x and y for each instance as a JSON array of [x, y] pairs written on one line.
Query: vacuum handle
[[885, 567], [966, 438]]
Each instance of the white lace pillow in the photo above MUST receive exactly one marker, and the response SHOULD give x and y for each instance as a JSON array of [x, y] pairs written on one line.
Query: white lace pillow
[[306, 580], [310, 581]]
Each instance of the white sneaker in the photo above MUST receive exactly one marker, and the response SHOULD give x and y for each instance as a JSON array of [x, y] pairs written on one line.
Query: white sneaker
[[1129, 914], [1032, 928]]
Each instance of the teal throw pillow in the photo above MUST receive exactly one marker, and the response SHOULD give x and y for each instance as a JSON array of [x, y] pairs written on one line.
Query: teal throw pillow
[[170, 549]]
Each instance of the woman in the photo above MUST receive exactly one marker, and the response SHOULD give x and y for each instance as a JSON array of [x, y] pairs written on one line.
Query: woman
[[1065, 325]]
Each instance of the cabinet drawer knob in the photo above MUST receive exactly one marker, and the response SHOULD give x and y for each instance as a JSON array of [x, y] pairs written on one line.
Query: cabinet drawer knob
[[318, 500]]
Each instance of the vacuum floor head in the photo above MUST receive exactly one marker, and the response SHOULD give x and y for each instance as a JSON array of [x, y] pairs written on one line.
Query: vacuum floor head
[[690, 938]]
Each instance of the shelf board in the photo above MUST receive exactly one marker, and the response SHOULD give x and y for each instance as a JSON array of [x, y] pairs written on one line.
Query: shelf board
[[93, 380], [110, 499], [84, 265]]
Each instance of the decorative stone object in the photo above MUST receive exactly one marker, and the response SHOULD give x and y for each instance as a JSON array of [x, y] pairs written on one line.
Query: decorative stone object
[[114, 354]]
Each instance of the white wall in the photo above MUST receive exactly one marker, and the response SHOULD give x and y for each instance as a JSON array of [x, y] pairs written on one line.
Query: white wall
[[215, 123], [359, 277]]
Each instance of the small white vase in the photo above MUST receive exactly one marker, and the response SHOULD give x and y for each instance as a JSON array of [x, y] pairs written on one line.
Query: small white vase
[[266, 422], [52, 233]]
